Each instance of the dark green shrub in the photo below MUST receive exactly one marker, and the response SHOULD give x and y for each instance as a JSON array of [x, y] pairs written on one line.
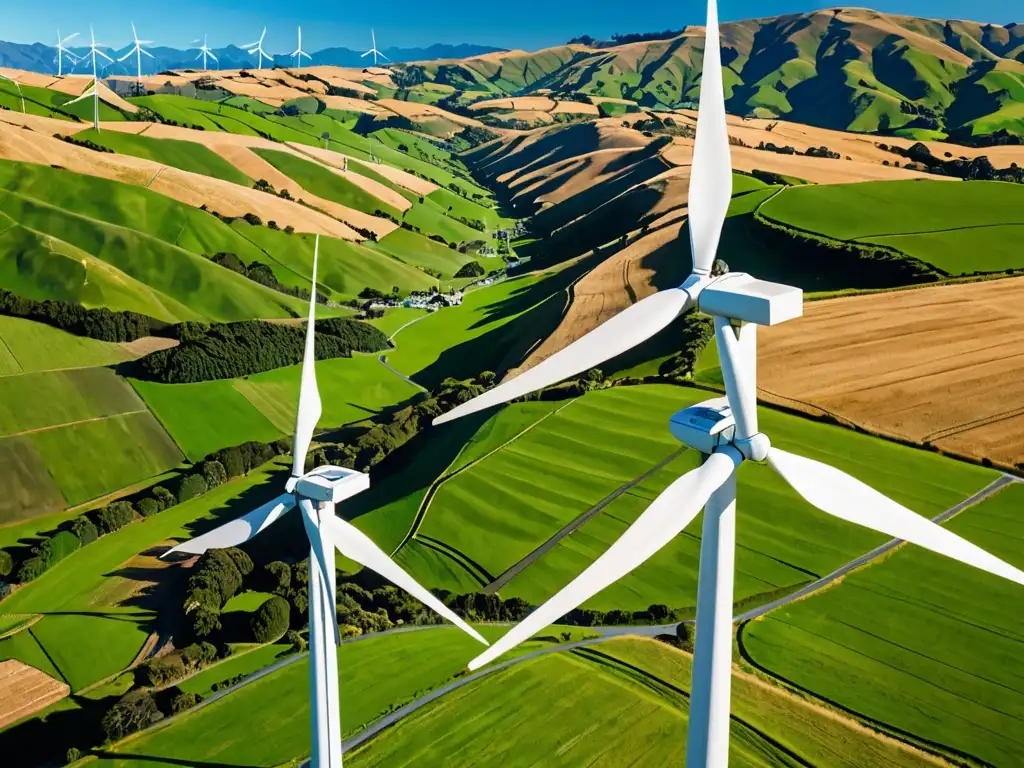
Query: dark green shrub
[[31, 569], [57, 547], [149, 507], [214, 473], [6, 563], [85, 530], [270, 621], [241, 560], [100, 323], [114, 516], [279, 576], [183, 701], [136, 710], [205, 622], [164, 497], [72, 755], [191, 487], [295, 640], [215, 580]]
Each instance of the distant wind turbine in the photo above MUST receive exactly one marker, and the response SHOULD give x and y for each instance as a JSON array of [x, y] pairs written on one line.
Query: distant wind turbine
[[316, 493], [374, 51], [62, 52], [298, 53], [16, 85], [139, 52], [257, 48], [94, 89], [204, 51]]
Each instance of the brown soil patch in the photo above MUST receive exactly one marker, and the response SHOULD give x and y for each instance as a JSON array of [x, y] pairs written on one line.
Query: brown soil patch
[[147, 345], [353, 105], [25, 690], [421, 113], [941, 365]]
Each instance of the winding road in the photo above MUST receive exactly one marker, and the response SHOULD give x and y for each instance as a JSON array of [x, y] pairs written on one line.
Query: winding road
[[383, 359]]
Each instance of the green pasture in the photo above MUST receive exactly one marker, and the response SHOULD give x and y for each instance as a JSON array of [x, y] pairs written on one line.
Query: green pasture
[[325, 183], [242, 662], [116, 452], [396, 318], [469, 209], [246, 602], [940, 642], [184, 155], [93, 625], [29, 347], [959, 227], [635, 695], [206, 416], [432, 219], [352, 389], [419, 251], [345, 268], [377, 674], [37, 101], [489, 517]]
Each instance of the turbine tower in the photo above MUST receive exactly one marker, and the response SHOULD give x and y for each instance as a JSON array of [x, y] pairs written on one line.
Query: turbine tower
[[316, 493], [62, 52], [298, 53], [94, 89], [204, 51], [257, 48], [373, 50], [16, 85], [725, 431], [139, 52]]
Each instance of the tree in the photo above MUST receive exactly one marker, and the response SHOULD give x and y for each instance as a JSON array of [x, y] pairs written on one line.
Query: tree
[[136, 710], [183, 701], [191, 487], [205, 622], [295, 640], [165, 497], [270, 621], [566, 636], [72, 755], [241, 560], [486, 378], [214, 473], [659, 612], [85, 530], [280, 577], [395, 290], [471, 269], [684, 633], [114, 516], [6, 563], [149, 507]]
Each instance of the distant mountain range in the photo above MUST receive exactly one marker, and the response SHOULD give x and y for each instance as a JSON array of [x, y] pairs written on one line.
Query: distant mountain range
[[38, 57]]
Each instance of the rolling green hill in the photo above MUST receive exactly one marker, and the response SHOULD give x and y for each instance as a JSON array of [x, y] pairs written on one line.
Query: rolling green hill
[[844, 68]]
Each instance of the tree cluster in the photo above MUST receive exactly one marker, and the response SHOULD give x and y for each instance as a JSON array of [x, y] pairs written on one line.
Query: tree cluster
[[271, 620], [136, 710], [215, 579], [261, 273], [824, 152], [100, 323], [227, 351], [977, 169], [86, 143]]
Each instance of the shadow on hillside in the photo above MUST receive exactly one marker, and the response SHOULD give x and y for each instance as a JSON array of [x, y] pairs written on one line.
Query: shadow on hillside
[[770, 51], [164, 760], [542, 306], [46, 741]]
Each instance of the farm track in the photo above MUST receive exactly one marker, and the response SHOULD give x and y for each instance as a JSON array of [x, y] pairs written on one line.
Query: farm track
[[383, 359], [76, 423]]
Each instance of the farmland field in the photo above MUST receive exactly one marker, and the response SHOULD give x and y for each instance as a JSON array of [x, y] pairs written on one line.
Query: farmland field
[[636, 704], [486, 519], [959, 228], [37, 347], [240, 663], [24, 690], [277, 706], [415, 249], [90, 626], [185, 155], [915, 625], [206, 416], [932, 365]]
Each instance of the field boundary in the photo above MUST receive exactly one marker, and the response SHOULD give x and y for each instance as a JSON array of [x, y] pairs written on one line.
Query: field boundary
[[52, 427]]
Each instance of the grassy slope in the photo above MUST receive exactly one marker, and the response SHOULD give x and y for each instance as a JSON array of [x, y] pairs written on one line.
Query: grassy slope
[[635, 709], [419, 251], [35, 347], [958, 227], [593, 446], [142, 234], [185, 410], [85, 629], [940, 642], [185, 155]]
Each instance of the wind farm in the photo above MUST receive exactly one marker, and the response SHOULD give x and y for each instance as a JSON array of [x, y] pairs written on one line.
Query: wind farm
[[631, 401]]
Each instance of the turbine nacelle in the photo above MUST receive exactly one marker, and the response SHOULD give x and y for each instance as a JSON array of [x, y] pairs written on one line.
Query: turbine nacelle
[[710, 426], [329, 483]]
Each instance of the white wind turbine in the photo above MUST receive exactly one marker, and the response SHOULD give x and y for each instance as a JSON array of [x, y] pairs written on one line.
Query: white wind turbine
[[16, 85], [138, 51], [373, 50], [316, 493], [724, 430], [298, 53], [204, 51], [257, 48], [62, 52], [94, 89]]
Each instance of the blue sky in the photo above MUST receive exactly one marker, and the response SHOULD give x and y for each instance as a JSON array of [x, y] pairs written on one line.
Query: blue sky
[[407, 23]]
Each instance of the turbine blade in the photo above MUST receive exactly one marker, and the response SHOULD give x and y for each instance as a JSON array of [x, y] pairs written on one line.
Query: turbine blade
[[356, 545], [316, 542], [366, 54], [711, 173], [88, 92], [383, 56], [69, 38], [836, 493], [623, 332], [127, 55], [661, 522], [210, 54], [197, 58], [101, 53], [135, 35], [238, 531], [144, 52], [736, 368], [310, 407]]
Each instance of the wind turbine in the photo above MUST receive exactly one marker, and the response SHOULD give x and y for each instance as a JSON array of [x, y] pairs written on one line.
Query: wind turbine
[[725, 431], [316, 493], [204, 51], [62, 51], [139, 52], [257, 48], [373, 50], [16, 85], [94, 89], [298, 53]]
